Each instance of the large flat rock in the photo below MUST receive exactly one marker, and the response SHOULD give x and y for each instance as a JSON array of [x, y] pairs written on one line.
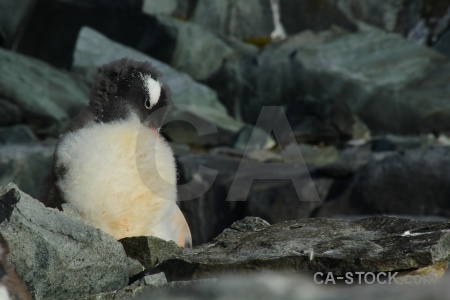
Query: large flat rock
[[376, 244], [46, 97], [59, 256]]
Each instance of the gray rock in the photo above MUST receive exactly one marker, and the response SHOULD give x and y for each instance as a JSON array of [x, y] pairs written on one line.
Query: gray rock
[[377, 244], [156, 280], [385, 89], [209, 213], [150, 250], [142, 287], [242, 19], [443, 45], [18, 134], [389, 15], [10, 113], [192, 101], [46, 96], [412, 182], [12, 18], [313, 15], [197, 52], [400, 90], [262, 140], [421, 21], [15, 288], [26, 165], [135, 267], [59, 257], [244, 225], [320, 121], [175, 8]]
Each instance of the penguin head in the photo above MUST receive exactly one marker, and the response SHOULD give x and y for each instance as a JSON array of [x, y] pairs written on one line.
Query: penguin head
[[125, 87]]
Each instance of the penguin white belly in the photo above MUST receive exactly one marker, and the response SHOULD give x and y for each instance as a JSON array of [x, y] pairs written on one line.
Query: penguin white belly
[[121, 177]]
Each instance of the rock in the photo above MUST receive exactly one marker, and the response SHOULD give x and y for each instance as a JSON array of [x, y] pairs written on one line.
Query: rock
[[142, 287], [377, 244], [313, 15], [392, 15], [268, 79], [421, 21], [249, 20], [12, 18], [392, 142], [26, 165], [134, 267], [262, 141], [11, 286], [204, 201], [52, 31], [18, 134], [411, 182], [47, 97], [319, 121], [389, 75], [197, 52], [58, 256], [156, 280], [389, 92], [443, 45], [193, 102], [175, 8], [150, 250], [246, 224], [10, 113]]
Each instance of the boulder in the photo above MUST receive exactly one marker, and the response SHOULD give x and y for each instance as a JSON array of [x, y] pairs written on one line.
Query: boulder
[[53, 26], [10, 113], [59, 256], [411, 182], [11, 286], [137, 290], [402, 89], [193, 102], [27, 165], [210, 178], [176, 8], [312, 15], [149, 250], [250, 20], [421, 21], [443, 45], [377, 244], [320, 121], [47, 97], [17, 134], [197, 52], [13, 17]]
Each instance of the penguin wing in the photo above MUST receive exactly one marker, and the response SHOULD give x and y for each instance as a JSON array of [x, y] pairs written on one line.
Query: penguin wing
[[173, 226]]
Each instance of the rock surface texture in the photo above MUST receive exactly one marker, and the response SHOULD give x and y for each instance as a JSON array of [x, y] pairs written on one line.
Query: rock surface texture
[[376, 244], [58, 256]]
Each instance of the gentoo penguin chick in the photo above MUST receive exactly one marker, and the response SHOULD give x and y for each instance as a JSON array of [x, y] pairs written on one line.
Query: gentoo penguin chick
[[11, 286], [113, 165]]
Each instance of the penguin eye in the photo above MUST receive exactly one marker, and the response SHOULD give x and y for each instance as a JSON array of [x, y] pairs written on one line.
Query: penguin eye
[[147, 104]]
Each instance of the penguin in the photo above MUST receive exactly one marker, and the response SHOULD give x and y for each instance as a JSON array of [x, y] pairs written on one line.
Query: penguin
[[11, 286], [113, 165]]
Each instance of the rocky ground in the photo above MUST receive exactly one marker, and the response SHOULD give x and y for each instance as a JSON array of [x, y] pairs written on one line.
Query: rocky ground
[[364, 86]]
